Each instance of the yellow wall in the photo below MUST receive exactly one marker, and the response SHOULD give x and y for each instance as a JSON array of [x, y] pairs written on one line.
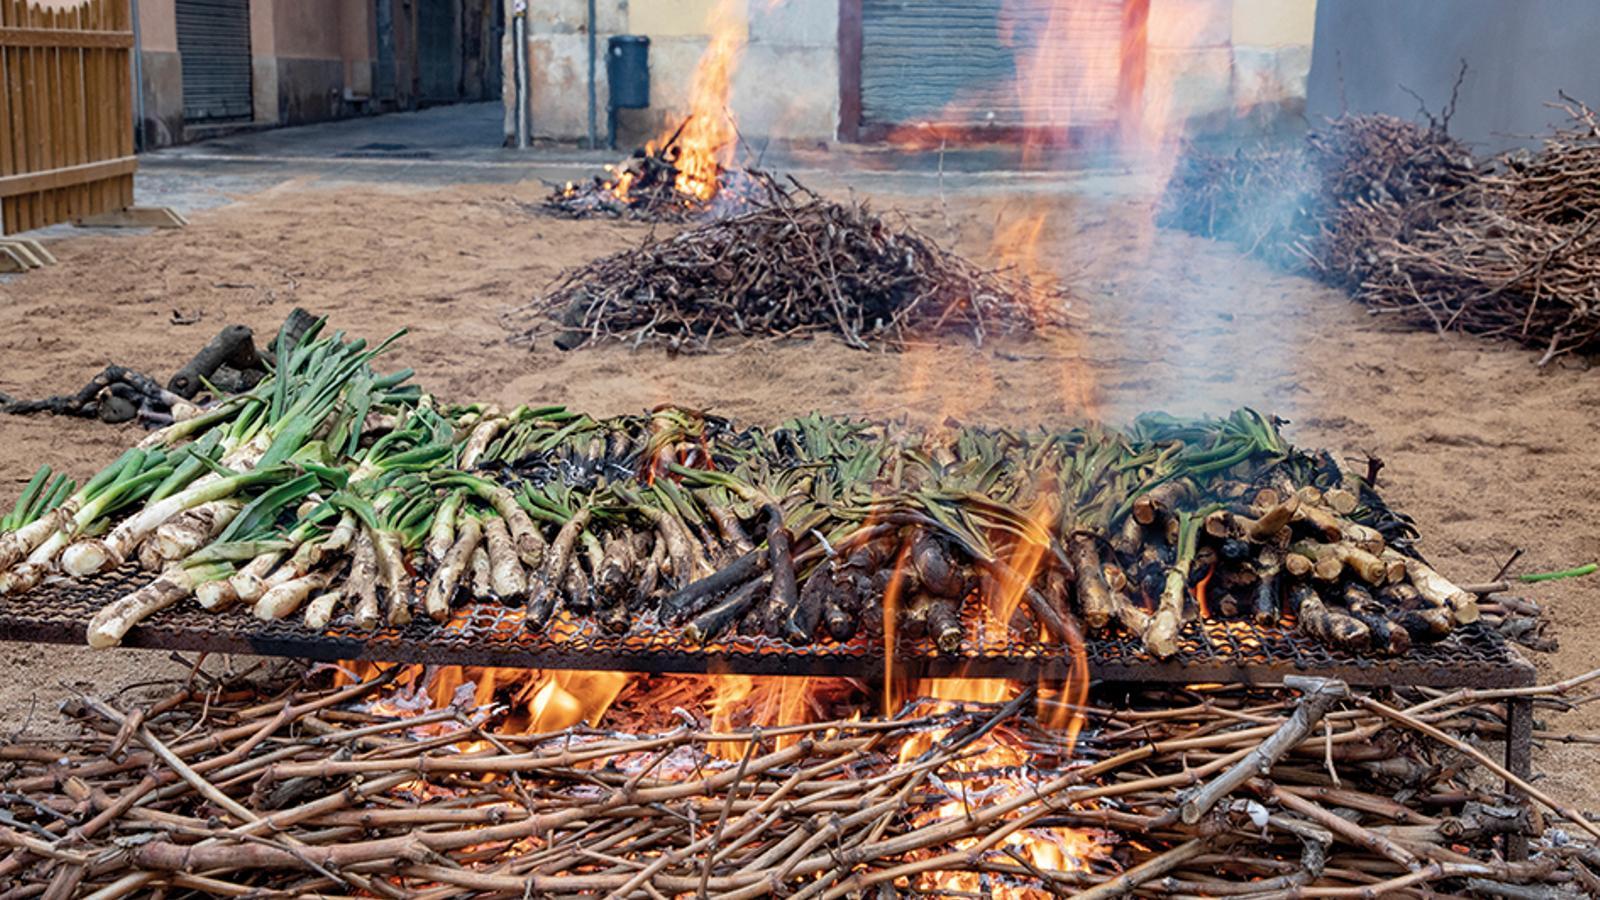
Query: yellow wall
[[1274, 23], [675, 18], [308, 31]]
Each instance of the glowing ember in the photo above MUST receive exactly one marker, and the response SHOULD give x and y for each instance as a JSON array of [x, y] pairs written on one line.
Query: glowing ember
[[993, 767]]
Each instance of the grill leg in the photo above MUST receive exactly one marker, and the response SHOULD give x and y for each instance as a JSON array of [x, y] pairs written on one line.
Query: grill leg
[[1519, 760]]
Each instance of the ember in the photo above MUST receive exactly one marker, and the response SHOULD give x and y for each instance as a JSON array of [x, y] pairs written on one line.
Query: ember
[[649, 186]]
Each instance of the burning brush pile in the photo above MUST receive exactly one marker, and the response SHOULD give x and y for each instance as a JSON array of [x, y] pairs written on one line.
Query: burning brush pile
[[801, 266], [1398, 213], [295, 786], [690, 173], [664, 184], [348, 497]]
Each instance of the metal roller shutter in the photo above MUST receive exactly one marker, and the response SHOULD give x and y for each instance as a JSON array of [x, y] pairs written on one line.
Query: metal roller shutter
[[956, 62], [437, 44], [214, 46]]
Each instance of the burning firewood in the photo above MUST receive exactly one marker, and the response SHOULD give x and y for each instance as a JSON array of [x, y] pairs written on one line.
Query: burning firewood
[[292, 786], [353, 499], [690, 172], [651, 187], [801, 266]]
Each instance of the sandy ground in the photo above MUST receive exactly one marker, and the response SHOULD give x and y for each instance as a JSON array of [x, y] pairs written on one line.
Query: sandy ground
[[1487, 452]]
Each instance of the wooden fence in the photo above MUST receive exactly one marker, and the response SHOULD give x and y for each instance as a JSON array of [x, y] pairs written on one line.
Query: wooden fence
[[66, 123]]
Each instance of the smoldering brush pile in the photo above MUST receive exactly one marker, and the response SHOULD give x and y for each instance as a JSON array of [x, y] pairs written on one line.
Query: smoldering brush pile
[[223, 788], [801, 266], [1357, 178], [1399, 214]]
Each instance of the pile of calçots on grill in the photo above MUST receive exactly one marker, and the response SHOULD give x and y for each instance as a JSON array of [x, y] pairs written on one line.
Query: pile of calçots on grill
[[349, 497]]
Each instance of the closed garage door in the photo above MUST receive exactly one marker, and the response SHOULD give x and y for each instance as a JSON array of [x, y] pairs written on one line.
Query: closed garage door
[[214, 46], [973, 63], [437, 48]]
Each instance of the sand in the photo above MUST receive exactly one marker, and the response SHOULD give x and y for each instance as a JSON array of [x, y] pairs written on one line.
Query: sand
[[1486, 451]]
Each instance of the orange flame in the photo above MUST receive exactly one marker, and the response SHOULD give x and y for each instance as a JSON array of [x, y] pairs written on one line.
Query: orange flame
[[706, 142], [740, 701], [540, 701]]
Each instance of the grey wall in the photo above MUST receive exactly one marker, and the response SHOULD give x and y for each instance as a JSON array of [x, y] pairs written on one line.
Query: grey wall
[[1519, 53]]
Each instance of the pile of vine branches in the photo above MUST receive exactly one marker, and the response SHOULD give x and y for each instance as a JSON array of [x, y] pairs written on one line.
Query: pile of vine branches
[[1398, 213], [801, 266]]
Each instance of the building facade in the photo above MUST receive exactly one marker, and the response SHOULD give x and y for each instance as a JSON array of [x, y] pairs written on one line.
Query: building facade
[[871, 70], [1516, 64], [211, 65]]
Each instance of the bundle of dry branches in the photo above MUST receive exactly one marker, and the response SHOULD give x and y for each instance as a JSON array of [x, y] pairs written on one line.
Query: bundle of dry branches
[[226, 789], [801, 266], [1397, 213]]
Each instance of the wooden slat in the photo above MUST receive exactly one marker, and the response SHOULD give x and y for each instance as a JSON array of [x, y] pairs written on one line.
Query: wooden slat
[[50, 179], [66, 37]]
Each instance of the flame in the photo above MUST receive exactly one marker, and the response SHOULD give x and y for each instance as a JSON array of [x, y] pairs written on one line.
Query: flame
[[537, 701], [996, 771], [708, 136], [700, 143], [1201, 599], [992, 770], [741, 701]]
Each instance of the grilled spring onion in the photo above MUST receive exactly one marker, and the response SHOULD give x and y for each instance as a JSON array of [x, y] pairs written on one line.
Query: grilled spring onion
[[111, 623], [329, 486]]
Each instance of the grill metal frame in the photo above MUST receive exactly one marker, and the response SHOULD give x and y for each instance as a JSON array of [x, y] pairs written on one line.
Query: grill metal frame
[[490, 635]]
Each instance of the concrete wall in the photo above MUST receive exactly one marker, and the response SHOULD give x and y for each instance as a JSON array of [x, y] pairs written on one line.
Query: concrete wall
[[787, 81], [310, 60], [1519, 55], [1228, 63], [162, 74]]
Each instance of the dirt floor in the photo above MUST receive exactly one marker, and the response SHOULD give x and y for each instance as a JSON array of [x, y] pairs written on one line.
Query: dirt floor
[[1486, 451]]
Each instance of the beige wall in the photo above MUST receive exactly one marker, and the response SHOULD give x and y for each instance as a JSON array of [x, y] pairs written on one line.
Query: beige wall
[[264, 59], [786, 84], [1274, 23], [158, 26], [1220, 63]]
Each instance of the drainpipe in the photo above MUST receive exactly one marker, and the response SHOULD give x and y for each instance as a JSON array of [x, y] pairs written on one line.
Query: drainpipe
[[593, 128], [140, 139], [519, 56]]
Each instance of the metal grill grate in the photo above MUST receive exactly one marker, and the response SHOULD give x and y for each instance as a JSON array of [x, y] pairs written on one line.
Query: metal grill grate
[[491, 635]]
